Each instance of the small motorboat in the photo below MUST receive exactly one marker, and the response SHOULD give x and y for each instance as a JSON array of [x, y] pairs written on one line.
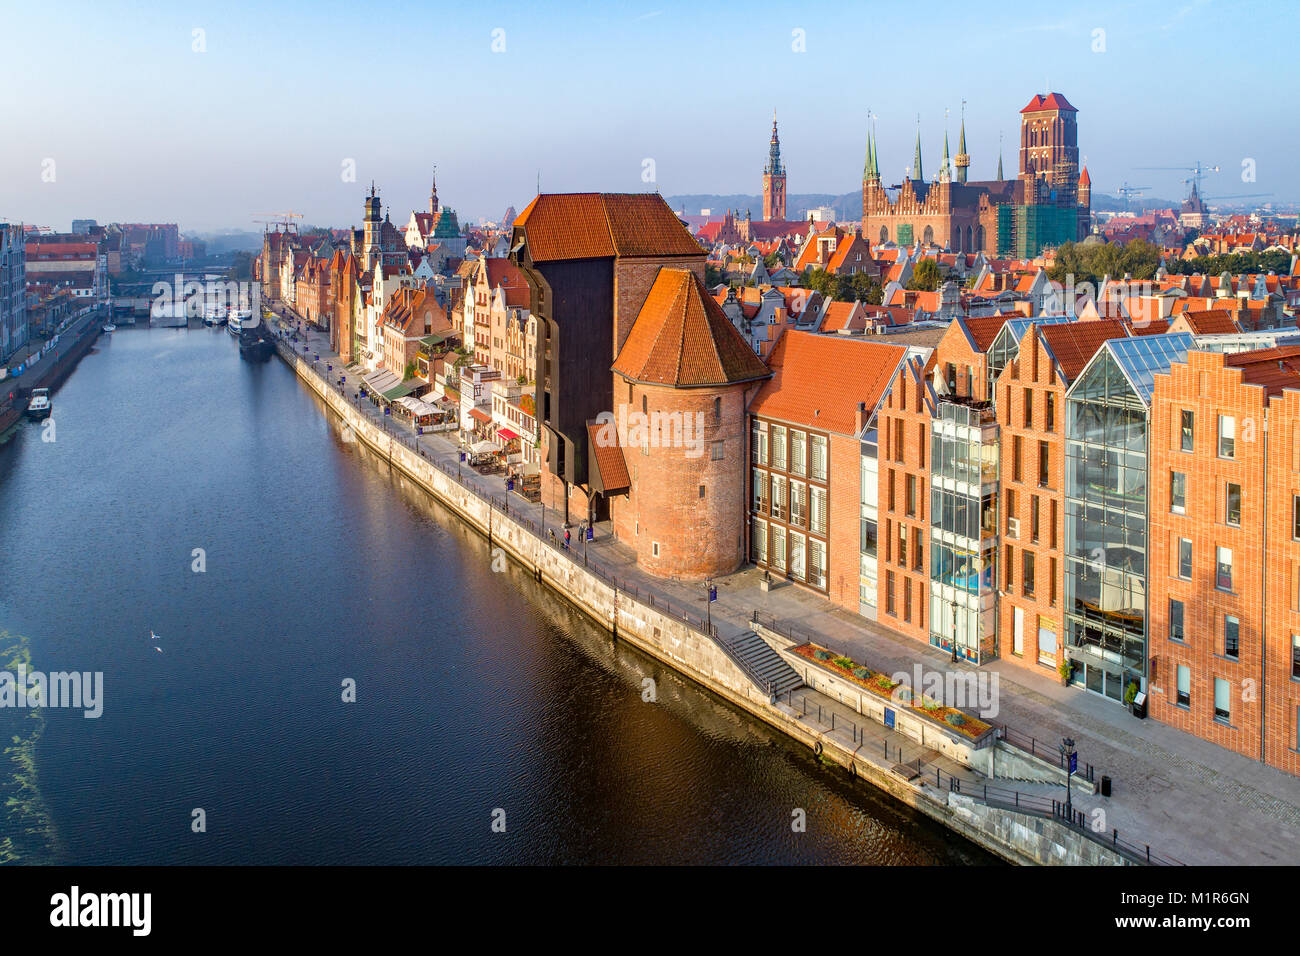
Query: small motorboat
[[39, 406], [110, 327]]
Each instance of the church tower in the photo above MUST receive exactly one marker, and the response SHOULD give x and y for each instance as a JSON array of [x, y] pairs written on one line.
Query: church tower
[[433, 194], [1049, 148], [372, 225], [774, 179]]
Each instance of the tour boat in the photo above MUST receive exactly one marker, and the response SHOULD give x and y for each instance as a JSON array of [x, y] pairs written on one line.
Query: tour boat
[[239, 320], [39, 407], [213, 316]]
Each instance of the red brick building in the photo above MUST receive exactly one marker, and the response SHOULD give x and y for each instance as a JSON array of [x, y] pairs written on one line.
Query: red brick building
[[589, 260], [805, 483], [672, 457], [1030, 404], [1224, 605]]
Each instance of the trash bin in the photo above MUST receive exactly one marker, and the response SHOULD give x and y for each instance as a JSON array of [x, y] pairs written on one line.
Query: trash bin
[[1105, 785]]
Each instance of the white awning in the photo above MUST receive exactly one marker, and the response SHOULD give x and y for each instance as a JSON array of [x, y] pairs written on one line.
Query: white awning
[[484, 447], [382, 381], [416, 407]]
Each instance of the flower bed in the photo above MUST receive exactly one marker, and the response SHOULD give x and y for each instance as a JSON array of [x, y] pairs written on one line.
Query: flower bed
[[882, 686]]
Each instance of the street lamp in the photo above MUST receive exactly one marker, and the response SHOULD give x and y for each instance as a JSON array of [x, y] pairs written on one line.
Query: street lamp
[[954, 627], [1069, 760]]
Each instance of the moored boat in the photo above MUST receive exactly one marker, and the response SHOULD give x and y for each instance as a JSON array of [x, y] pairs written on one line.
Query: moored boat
[[39, 406]]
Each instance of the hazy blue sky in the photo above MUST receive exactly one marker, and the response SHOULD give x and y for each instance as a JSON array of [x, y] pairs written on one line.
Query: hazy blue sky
[[143, 128]]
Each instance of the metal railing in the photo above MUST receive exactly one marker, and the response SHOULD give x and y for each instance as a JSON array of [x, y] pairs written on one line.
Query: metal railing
[[1052, 808]]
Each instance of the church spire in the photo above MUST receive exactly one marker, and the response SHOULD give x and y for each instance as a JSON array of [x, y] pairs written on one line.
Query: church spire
[[999, 156], [774, 151], [917, 174], [963, 158], [433, 193], [872, 170], [945, 170]]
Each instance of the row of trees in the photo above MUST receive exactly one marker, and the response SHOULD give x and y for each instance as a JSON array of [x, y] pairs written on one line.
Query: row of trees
[[1091, 263], [844, 288], [1277, 261]]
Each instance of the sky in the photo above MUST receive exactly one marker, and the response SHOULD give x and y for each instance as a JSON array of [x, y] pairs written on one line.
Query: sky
[[209, 114]]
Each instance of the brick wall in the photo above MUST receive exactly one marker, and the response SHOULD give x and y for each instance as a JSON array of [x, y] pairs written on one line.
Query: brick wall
[[1207, 389], [1033, 370], [632, 281], [1281, 697], [685, 513], [904, 429]]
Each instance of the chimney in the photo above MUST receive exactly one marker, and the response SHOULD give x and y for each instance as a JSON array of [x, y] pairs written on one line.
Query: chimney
[[860, 418]]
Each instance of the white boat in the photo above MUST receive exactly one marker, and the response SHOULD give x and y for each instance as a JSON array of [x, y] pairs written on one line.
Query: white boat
[[110, 328], [213, 316], [239, 320], [39, 406]]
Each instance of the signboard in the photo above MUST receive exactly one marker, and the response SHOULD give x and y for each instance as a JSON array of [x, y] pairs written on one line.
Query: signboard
[[889, 718], [1074, 762]]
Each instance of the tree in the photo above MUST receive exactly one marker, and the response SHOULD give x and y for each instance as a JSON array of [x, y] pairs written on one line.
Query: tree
[[819, 280], [925, 276], [1091, 263], [712, 276]]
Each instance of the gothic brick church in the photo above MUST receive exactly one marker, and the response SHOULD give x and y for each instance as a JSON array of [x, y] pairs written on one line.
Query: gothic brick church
[[1046, 204]]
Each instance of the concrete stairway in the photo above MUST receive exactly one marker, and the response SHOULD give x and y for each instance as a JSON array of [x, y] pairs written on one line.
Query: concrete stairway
[[765, 666]]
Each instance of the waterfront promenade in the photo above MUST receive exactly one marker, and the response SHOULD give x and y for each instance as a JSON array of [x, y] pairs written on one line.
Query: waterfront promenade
[[1188, 799]]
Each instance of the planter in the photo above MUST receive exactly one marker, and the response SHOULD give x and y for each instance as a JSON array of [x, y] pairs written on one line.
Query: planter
[[952, 721]]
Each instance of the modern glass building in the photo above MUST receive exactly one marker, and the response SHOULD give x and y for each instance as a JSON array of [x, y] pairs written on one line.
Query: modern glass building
[[963, 529], [1106, 510]]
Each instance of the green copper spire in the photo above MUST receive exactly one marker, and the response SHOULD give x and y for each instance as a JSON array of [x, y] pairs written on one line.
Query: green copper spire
[[999, 156], [866, 167], [917, 175]]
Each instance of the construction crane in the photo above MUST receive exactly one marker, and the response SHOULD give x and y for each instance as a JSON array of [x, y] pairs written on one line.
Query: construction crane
[[1197, 170], [285, 219], [1130, 192]]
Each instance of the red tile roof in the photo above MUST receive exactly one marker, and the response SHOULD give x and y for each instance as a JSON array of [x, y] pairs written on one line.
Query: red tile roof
[[818, 380], [1211, 322], [984, 330], [1275, 369], [610, 463], [1052, 101], [603, 225], [1073, 344], [681, 337]]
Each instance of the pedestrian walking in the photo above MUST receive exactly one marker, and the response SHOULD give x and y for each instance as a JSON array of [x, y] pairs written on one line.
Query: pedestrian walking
[[567, 534]]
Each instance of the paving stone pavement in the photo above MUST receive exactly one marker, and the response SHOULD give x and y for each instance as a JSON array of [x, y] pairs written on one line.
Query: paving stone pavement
[[1187, 798]]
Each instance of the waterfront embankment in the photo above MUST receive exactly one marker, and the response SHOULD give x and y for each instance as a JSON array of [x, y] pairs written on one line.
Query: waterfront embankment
[[1016, 822]]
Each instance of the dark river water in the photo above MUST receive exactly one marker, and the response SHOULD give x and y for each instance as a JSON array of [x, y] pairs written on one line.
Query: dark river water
[[476, 691]]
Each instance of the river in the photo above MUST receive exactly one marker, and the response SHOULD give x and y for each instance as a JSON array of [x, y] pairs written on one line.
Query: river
[[210, 502]]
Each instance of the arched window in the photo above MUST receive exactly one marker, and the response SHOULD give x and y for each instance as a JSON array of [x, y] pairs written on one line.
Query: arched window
[[884, 233], [928, 236], [717, 409]]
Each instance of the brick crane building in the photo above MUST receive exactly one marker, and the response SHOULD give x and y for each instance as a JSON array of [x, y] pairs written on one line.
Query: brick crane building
[[590, 260], [677, 446]]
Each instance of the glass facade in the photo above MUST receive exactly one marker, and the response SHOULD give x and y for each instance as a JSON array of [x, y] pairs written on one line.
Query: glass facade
[[1106, 510], [963, 529], [1105, 520], [869, 517]]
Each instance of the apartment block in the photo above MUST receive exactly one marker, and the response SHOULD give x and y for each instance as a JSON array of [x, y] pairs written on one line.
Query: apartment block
[[806, 459], [1038, 364]]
